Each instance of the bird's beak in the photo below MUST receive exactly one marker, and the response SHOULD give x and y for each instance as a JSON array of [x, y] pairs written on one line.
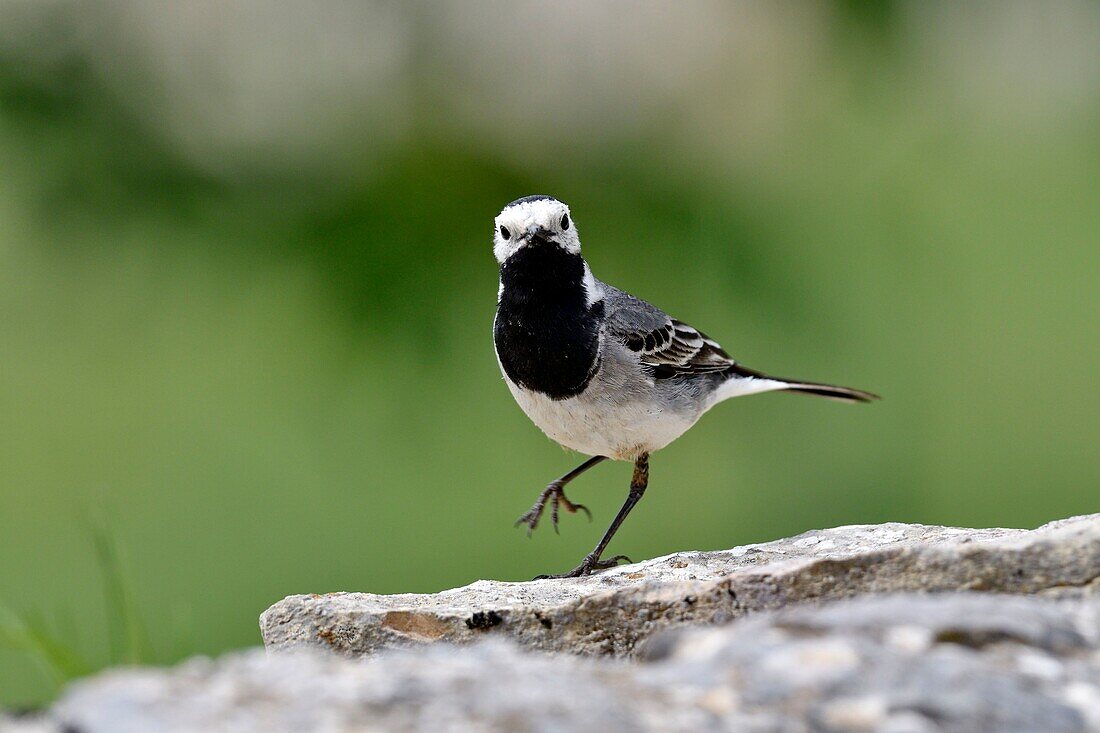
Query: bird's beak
[[537, 235]]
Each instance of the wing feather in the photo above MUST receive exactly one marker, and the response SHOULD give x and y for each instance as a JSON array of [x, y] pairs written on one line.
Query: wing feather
[[669, 346]]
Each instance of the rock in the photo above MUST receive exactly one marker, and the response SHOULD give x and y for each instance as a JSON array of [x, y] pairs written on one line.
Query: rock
[[942, 662], [26, 724], [614, 612], [948, 662]]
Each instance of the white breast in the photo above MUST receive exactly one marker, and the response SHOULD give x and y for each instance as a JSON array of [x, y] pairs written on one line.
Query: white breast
[[602, 423]]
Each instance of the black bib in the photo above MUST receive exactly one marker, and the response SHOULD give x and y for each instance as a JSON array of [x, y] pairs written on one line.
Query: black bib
[[547, 337]]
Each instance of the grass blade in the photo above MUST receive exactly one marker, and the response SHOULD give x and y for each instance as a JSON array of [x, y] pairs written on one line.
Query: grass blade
[[57, 660]]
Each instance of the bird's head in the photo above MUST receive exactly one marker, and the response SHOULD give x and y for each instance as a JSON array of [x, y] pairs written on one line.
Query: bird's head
[[534, 221]]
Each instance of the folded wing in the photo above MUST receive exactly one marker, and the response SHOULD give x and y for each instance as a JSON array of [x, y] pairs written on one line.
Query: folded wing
[[668, 346]]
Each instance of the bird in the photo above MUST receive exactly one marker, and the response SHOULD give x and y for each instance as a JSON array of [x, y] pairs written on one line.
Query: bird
[[598, 370]]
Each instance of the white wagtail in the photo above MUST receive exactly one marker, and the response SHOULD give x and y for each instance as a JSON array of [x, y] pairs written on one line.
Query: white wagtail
[[598, 370]]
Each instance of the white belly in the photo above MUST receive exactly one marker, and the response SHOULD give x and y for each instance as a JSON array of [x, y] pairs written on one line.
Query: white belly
[[608, 425]]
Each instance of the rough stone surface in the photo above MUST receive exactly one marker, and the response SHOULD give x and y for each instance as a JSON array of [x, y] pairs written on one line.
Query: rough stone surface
[[885, 629], [613, 612], [959, 662], [26, 725]]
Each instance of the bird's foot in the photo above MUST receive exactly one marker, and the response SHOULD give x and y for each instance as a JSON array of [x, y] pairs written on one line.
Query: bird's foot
[[590, 564], [555, 494]]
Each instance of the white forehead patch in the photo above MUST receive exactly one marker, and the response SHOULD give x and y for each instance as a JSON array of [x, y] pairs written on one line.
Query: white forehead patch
[[543, 212], [546, 213]]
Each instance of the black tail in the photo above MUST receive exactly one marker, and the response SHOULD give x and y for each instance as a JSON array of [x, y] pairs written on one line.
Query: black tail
[[843, 394]]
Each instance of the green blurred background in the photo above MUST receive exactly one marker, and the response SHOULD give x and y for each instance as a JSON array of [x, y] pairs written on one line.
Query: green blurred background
[[246, 285]]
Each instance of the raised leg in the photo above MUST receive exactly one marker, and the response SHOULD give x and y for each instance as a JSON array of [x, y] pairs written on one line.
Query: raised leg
[[555, 493], [592, 561]]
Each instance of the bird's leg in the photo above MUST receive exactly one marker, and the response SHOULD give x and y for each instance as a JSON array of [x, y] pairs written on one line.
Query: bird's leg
[[555, 493], [592, 561]]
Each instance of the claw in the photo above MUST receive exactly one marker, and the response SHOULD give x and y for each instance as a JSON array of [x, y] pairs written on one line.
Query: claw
[[530, 518], [588, 566], [572, 508], [555, 494]]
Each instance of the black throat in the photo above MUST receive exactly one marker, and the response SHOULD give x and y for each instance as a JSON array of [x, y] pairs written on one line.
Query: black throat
[[547, 336]]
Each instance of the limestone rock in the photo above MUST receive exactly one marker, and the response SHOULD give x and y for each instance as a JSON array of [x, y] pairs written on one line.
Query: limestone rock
[[949, 662], [26, 724], [615, 611], [941, 662]]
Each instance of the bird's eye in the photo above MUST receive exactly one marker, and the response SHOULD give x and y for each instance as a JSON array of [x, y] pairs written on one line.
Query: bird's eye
[[564, 222], [505, 233]]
